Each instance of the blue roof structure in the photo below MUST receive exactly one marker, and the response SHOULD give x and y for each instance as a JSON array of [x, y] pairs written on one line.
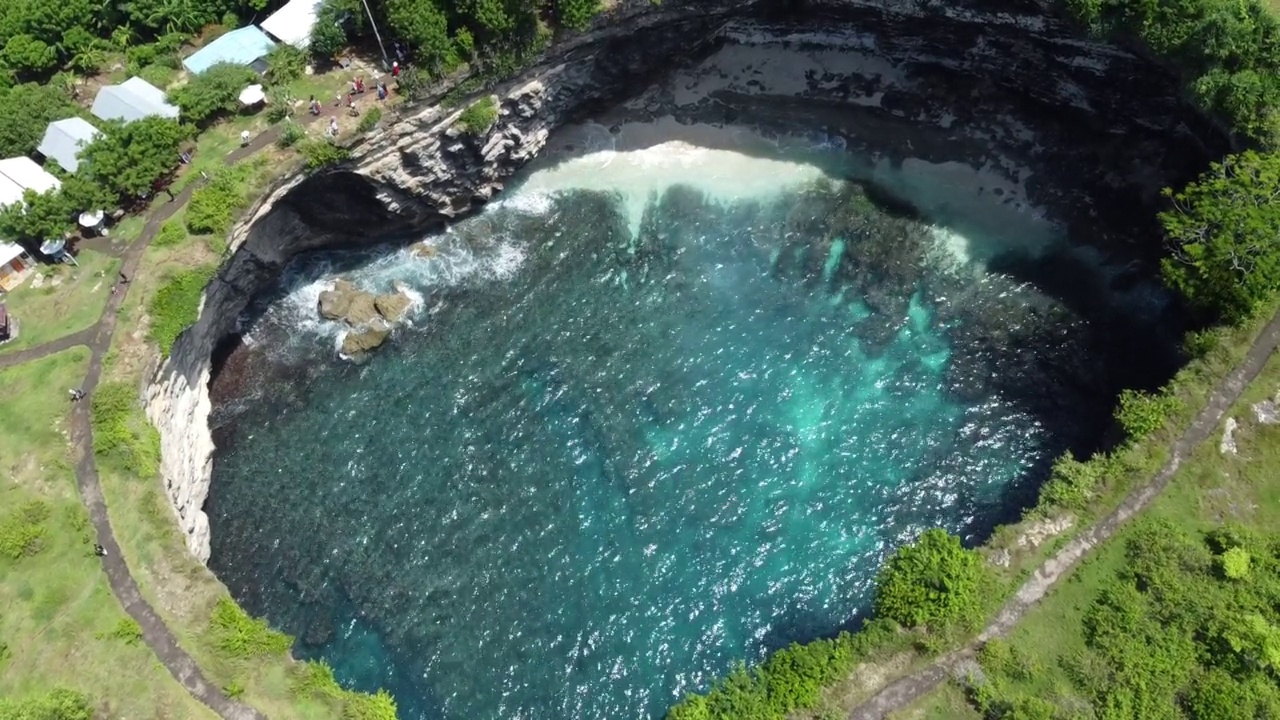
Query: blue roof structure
[[240, 47]]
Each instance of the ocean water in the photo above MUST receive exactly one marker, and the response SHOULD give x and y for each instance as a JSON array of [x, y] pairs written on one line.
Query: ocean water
[[655, 413]]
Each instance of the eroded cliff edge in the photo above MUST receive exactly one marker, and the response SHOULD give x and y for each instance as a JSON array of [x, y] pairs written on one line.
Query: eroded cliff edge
[[1103, 119]]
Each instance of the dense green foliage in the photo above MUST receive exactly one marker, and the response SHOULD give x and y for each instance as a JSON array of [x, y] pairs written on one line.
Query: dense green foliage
[[1229, 50], [441, 34], [40, 217], [127, 160], [933, 582], [59, 704], [1072, 483], [479, 116], [790, 679], [171, 233], [25, 112], [1141, 414], [213, 92], [322, 153], [215, 205], [238, 635], [118, 435], [1170, 636], [369, 120], [1223, 235], [22, 530], [176, 305]]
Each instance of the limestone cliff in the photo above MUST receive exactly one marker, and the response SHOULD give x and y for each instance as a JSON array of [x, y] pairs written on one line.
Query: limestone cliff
[[951, 66]]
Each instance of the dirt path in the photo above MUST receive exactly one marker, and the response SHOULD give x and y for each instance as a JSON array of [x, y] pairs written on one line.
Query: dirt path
[[908, 689], [97, 337]]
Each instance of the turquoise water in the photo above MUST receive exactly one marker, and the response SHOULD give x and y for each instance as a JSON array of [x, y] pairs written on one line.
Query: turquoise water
[[624, 446]]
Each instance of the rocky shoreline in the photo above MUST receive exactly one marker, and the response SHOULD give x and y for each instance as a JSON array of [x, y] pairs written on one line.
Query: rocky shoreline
[[1001, 89]]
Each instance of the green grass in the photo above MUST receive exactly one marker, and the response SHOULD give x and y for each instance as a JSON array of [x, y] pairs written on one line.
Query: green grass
[[945, 702], [58, 620], [176, 305], [47, 313], [1210, 490]]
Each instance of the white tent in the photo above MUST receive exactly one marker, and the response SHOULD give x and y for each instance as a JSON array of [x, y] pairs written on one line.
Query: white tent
[[27, 175], [10, 192], [131, 100], [64, 139], [293, 23]]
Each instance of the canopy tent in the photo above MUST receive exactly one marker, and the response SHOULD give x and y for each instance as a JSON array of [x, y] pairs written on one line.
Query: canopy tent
[[64, 139], [240, 47], [10, 252], [131, 100], [292, 23], [252, 95], [27, 175]]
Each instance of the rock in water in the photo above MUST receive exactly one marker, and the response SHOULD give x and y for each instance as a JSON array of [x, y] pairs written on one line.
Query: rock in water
[[392, 306], [350, 304], [359, 342]]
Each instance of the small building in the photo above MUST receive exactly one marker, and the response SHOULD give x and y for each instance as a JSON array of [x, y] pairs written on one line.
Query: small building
[[245, 46], [64, 139], [293, 23], [27, 175], [15, 265], [131, 100]]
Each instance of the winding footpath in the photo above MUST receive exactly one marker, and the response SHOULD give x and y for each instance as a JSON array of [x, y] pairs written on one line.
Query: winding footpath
[[908, 689], [97, 338]]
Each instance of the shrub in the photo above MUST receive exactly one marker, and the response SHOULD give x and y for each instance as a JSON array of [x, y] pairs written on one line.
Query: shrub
[[1072, 483], [240, 636], [22, 531], [212, 92], [1235, 563], [279, 104], [479, 116], [215, 205], [364, 706], [931, 582], [176, 305], [285, 63], [291, 133], [322, 153], [576, 14], [58, 704], [1224, 258], [119, 433], [1141, 414], [314, 678], [370, 119], [127, 631], [171, 233], [1000, 658]]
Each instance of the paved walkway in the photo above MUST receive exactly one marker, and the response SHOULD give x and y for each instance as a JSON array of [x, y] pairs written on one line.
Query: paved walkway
[[98, 339], [906, 690]]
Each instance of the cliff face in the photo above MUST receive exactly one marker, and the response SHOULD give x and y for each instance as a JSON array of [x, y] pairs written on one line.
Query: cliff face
[[953, 68]]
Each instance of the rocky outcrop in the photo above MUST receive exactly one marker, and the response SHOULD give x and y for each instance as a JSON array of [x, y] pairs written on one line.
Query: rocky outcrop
[[357, 343], [370, 317], [876, 65]]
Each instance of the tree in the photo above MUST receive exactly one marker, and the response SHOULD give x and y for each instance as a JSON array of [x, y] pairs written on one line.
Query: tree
[[1224, 236], [425, 27], [28, 54], [25, 112], [933, 581], [213, 91], [576, 14], [127, 160], [39, 217]]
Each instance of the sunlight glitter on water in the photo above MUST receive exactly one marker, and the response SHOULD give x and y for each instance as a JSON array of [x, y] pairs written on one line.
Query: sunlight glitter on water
[[642, 433]]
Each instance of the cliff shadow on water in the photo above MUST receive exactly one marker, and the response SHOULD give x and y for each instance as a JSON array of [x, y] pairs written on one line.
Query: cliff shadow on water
[[882, 264]]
